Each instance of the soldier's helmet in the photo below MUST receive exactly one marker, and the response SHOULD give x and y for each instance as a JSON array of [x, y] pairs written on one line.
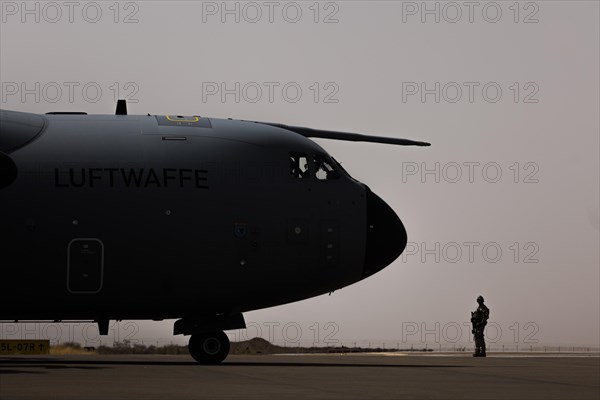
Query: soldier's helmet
[[480, 299]]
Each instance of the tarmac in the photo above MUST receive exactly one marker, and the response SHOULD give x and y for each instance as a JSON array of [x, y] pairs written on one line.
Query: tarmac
[[328, 376]]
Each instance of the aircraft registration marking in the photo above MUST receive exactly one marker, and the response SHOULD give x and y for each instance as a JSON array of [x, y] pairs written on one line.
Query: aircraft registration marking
[[17, 346]]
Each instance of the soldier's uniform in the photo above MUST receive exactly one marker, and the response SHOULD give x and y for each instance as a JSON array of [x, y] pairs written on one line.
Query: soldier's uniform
[[479, 319]]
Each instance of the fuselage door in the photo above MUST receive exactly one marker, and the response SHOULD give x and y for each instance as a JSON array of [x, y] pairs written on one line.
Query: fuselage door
[[85, 265]]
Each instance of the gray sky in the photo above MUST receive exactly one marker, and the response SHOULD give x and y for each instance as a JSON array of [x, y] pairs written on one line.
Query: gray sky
[[496, 88]]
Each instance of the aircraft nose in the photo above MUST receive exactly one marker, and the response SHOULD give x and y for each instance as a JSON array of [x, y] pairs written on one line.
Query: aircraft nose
[[386, 235]]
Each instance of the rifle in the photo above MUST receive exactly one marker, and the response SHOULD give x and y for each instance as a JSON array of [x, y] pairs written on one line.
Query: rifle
[[473, 321]]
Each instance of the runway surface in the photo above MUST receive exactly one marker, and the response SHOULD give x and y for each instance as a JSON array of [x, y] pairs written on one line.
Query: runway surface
[[300, 377]]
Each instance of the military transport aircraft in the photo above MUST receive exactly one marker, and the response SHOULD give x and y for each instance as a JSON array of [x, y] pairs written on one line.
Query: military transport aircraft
[[113, 217]]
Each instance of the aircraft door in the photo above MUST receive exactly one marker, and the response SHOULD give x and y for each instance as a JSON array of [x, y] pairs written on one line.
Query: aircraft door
[[85, 265]]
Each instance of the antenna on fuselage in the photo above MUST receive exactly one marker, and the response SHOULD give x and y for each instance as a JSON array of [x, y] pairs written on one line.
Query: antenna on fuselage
[[121, 107], [347, 136]]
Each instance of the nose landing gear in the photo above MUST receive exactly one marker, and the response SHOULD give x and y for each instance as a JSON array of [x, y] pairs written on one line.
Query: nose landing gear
[[209, 348]]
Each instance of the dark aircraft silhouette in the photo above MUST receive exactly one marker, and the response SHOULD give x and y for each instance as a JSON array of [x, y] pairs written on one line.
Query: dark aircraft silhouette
[[112, 217]]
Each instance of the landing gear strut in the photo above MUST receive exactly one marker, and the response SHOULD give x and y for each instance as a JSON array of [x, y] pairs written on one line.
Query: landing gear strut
[[209, 348]]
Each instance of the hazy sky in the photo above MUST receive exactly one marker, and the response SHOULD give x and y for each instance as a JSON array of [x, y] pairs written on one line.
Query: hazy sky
[[505, 203]]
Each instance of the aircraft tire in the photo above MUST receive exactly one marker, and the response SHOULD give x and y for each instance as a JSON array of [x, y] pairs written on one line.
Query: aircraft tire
[[209, 348]]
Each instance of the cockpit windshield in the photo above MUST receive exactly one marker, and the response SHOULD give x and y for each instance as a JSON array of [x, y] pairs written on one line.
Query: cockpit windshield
[[324, 169], [299, 165]]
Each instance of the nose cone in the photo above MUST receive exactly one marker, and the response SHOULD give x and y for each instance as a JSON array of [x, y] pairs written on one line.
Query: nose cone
[[386, 236]]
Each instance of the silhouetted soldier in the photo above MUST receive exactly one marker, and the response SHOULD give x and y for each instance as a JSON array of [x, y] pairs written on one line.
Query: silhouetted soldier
[[479, 319]]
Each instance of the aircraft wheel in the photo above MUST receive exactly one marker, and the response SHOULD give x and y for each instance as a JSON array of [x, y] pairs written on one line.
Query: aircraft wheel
[[209, 348]]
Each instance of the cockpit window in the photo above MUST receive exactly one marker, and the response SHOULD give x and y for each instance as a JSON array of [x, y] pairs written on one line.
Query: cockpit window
[[324, 169], [299, 165]]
